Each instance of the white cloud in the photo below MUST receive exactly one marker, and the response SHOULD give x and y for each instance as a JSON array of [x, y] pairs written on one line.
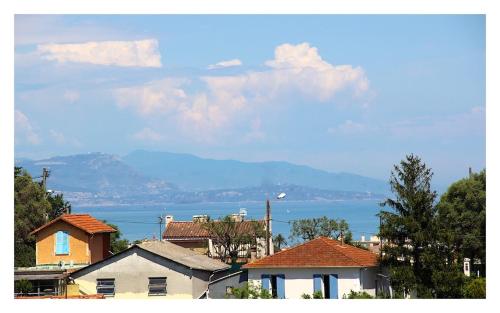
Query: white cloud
[[223, 64], [141, 53], [71, 96], [256, 133], [348, 128], [24, 130], [162, 96], [296, 70], [147, 134]]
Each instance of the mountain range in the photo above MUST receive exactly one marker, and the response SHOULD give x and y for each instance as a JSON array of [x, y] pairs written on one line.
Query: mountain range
[[158, 177]]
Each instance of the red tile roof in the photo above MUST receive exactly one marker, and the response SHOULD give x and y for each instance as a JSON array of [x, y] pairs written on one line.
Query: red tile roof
[[319, 252], [184, 230], [85, 222]]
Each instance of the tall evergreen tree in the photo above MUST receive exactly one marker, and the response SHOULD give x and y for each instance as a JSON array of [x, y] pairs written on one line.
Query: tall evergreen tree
[[408, 228]]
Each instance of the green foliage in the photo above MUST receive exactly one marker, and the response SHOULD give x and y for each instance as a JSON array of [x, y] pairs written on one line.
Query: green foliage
[[23, 286], [408, 228], [250, 291], [228, 236], [309, 229], [462, 218], [305, 296], [31, 209], [116, 243], [58, 206], [278, 242], [359, 295], [475, 288], [317, 295]]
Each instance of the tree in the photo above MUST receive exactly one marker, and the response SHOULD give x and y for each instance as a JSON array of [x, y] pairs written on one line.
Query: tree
[[308, 229], [279, 241], [475, 288], [58, 205], [116, 243], [31, 209], [462, 219], [250, 291], [229, 235], [409, 228]]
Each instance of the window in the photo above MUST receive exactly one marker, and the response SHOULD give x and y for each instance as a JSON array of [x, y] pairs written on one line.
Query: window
[[106, 286], [275, 284], [157, 286], [62, 242], [326, 284]]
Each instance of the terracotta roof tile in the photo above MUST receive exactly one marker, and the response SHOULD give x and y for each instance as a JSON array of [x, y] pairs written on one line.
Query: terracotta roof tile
[[319, 252], [185, 229], [85, 222]]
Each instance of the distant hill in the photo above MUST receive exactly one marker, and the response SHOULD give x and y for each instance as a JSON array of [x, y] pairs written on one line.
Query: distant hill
[[95, 173], [144, 177], [190, 172]]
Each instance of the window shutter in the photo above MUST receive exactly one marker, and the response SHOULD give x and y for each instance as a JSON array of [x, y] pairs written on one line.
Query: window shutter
[[317, 282], [59, 242], [280, 286], [334, 287], [65, 242], [265, 281]]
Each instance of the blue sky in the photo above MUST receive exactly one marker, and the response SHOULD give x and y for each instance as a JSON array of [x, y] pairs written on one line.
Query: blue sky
[[351, 93]]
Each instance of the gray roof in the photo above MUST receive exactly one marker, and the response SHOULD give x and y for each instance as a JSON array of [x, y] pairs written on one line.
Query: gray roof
[[182, 255]]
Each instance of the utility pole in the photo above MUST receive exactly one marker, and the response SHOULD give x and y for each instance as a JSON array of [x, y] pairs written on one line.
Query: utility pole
[[45, 175], [160, 221], [268, 226], [470, 172]]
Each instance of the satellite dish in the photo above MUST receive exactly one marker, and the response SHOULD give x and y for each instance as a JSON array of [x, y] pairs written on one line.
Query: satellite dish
[[281, 195]]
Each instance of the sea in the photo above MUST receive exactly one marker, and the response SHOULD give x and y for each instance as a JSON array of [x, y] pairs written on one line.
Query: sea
[[142, 221]]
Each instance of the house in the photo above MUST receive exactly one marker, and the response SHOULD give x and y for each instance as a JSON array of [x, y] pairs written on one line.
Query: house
[[373, 244], [321, 265], [192, 235], [152, 269], [66, 243], [72, 240], [221, 286]]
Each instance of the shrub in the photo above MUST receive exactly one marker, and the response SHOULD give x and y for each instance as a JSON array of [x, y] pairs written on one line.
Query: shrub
[[475, 288], [359, 295], [317, 295], [305, 296]]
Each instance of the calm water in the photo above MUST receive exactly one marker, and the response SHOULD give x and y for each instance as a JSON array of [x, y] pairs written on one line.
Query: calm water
[[137, 222]]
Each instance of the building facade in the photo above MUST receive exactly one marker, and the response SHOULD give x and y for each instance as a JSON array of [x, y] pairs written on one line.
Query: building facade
[[150, 270], [321, 265]]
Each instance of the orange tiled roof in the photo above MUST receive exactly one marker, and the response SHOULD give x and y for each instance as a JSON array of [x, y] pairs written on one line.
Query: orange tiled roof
[[85, 222], [184, 229], [319, 252]]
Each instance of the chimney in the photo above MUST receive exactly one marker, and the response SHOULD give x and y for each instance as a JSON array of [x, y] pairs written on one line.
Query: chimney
[[200, 218], [168, 219], [467, 267]]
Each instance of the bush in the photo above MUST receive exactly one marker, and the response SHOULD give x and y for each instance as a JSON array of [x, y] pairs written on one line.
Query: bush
[[475, 288], [305, 296], [317, 295], [250, 292], [23, 286], [359, 295]]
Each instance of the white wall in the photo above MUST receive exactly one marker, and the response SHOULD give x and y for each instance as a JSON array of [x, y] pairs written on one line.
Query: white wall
[[300, 280], [131, 271]]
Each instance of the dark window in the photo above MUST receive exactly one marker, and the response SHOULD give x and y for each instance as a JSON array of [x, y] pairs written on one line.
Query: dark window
[[106, 286], [326, 286], [274, 286], [157, 286]]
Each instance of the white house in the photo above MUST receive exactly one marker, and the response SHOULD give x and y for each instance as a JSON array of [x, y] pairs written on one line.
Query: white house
[[322, 264], [150, 270]]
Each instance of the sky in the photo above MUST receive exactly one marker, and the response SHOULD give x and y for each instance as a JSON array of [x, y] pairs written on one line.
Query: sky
[[342, 93]]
